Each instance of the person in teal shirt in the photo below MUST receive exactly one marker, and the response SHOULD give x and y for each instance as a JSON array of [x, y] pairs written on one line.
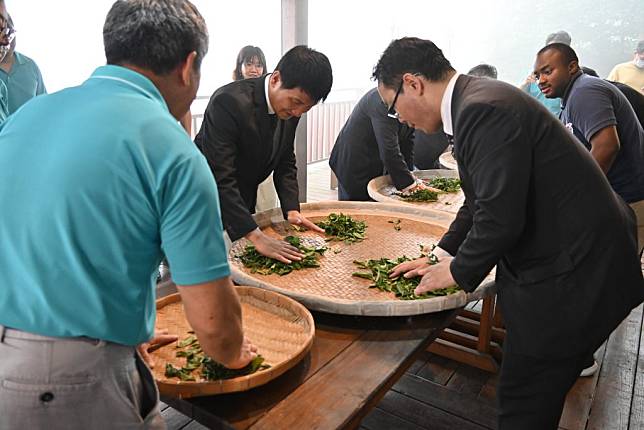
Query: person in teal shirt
[[19, 73], [99, 181]]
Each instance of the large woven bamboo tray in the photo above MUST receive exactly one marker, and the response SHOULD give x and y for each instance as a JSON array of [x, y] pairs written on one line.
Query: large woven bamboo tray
[[381, 189], [448, 161], [281, 328], [330, 287]]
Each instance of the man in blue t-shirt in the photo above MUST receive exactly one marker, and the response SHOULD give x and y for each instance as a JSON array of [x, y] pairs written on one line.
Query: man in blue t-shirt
[[530, 84], [603, 120], [99, 182]]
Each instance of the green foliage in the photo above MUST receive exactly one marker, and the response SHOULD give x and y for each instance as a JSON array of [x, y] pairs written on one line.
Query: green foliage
[[263, 265], [419, 196], [343, 227], [378, 271], [210, 370], [449, 185]]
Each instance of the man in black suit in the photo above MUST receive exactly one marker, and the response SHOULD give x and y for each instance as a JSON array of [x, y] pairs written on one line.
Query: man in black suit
[[248, 133], [538, 207], [367, 132]]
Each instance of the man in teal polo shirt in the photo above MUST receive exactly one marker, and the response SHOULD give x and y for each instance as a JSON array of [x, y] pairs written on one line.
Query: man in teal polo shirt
[[18, 72], [98, 182]]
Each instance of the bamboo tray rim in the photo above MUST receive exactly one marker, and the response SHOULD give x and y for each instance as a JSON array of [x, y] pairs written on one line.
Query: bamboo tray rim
[[187, 389], [392, 307], [376, 184]]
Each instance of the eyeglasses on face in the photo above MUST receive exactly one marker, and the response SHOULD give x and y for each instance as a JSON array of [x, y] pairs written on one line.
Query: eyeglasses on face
[[391, 112]]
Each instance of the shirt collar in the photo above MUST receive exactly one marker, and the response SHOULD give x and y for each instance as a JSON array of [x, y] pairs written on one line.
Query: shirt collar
[[446, 106], [271, 111], [564, 99], [131, 79]]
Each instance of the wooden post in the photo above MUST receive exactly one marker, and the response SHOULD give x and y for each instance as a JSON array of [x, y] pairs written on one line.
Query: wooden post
[[295, 31]]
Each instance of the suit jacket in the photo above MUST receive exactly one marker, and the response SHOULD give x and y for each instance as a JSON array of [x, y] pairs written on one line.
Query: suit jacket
[[428, 148], [243, 145], [538, 205], [370, 145]]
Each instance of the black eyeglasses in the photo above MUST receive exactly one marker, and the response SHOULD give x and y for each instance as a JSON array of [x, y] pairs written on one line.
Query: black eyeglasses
[[391, 112]]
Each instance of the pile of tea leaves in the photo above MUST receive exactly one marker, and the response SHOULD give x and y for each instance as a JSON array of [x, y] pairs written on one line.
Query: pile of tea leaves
[[258, 263], [448, 185], [421, 195], [208, 369], [378, 271], [343, 227]]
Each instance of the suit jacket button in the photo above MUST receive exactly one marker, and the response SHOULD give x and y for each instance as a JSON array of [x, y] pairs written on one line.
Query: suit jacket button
[[47, 397]]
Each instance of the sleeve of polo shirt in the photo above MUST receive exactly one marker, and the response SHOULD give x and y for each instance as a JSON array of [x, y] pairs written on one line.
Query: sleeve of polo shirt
[[591, 110], [191, 227]]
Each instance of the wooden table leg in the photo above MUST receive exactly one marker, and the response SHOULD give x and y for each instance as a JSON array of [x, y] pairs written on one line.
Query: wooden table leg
[[473, 338]]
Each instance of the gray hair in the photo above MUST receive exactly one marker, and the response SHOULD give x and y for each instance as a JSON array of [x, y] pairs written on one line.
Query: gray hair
[[156, 35]]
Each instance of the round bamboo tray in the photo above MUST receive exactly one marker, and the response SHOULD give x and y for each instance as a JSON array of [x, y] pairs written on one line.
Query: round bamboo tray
[[447, 160], [331, 287], [381, 189], [281, 328]]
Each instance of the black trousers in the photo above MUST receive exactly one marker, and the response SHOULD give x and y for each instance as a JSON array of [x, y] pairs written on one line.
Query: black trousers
[[532, 391]]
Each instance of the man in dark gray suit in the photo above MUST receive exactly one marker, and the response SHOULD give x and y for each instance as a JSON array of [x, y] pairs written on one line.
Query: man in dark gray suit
[[369, 145], [538, 207]]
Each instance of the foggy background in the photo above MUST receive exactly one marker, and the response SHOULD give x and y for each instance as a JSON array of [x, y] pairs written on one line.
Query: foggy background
[[65, 37]]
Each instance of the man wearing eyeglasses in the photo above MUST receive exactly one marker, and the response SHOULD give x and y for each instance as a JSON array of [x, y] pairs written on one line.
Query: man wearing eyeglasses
[[19, 73], [568, 271]]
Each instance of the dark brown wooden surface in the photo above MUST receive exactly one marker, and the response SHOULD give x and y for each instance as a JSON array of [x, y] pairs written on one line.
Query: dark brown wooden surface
[[352, 364], [437, 393]]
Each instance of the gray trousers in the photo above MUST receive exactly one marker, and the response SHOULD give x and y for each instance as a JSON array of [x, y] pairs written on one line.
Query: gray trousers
[[74, 383]]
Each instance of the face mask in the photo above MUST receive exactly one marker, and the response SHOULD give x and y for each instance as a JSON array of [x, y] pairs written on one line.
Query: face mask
[[640, 63]]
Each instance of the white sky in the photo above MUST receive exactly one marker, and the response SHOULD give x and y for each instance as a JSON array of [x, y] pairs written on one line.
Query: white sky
[[65, 37]]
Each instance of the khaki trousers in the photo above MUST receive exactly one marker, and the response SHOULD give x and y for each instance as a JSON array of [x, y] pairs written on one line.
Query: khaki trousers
[[74, 383]]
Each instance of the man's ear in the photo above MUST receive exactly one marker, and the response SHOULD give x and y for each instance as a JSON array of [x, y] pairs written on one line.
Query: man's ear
[[187, 68], [276, 79], [414, 82], [573, 67]]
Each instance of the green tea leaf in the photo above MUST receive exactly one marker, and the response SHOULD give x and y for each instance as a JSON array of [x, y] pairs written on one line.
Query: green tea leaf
[[343, 227]]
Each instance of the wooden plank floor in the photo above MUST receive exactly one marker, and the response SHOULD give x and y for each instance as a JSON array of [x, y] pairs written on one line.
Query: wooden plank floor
[[436, 393]]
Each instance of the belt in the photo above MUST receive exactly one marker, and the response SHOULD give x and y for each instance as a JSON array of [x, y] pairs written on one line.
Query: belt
[[12, 333]]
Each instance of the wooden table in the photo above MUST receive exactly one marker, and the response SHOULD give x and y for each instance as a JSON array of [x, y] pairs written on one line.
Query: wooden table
[[352, 364]]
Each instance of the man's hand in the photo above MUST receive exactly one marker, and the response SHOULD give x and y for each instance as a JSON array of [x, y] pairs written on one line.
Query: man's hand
[[419, 266], [411, 268], [247, 352], [296, 218], [274, 248], [436, 277], [159, 339]]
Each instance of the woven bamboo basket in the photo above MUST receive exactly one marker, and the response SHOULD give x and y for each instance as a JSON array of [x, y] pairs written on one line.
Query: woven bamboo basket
[[281, 328], [331, 287], [448, 161], [381, 189]]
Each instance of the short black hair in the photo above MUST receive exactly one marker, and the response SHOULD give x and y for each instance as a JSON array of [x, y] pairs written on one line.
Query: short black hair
[[640, 47], [559, 37], [411, 55], [569, 55], [307, 69], [484, 71], [156, 35], [247, 53]]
